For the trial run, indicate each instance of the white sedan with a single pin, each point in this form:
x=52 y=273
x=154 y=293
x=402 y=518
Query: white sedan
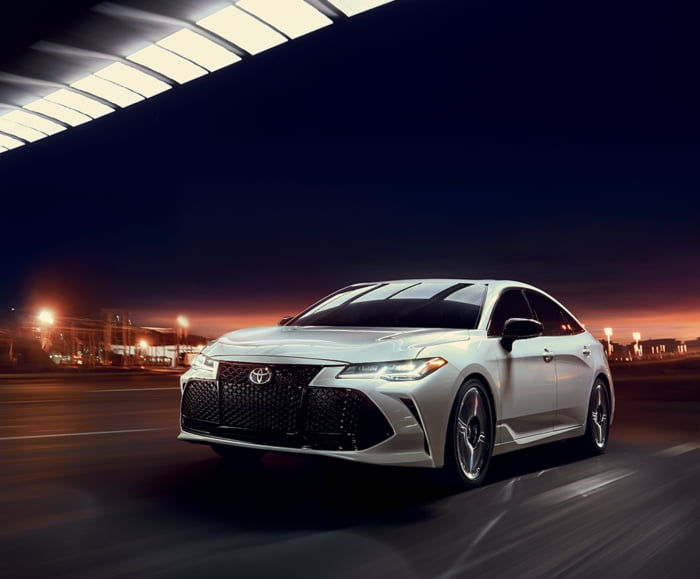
x=434 y=373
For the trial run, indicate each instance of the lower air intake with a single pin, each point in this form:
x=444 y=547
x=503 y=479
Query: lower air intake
x=284 y=412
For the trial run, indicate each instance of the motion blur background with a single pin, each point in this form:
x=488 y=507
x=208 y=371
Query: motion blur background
x=550 y=142
x=546 y=142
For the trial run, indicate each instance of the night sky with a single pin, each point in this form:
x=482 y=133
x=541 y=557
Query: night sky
x=554 y=143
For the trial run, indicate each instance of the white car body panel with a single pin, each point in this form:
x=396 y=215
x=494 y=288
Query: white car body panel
x=529 y=391
x=343 y=345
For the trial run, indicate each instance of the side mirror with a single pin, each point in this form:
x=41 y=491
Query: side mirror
x=519 y=329
x=285 y=320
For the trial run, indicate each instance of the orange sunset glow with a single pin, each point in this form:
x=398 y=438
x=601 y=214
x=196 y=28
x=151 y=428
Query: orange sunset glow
x=625 y=310
x=681 y=325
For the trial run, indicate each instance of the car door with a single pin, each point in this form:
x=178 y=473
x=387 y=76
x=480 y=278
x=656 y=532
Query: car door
x=572 y=348
x=527 y=372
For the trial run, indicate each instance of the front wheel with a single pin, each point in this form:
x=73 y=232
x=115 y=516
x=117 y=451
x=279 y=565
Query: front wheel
x=470 y=436
x=595 y=439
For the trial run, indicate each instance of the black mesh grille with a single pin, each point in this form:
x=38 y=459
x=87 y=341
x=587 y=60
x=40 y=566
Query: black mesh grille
x=273 y=406
x=333 y=411
x=200 y=401
x=285 y=411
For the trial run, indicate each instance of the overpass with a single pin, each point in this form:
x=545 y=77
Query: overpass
x=68 y=63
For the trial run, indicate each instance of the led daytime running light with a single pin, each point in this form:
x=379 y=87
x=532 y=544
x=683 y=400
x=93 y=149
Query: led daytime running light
x=402 y=370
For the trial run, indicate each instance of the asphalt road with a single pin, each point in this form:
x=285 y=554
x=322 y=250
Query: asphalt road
x=94 y=484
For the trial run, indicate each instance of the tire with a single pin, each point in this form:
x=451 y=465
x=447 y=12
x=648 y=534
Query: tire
x=237 y=454
x=595 y=439
x=470 y=437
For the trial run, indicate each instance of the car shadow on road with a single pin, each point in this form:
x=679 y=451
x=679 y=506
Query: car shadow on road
x=289 y=492
x=293 y=492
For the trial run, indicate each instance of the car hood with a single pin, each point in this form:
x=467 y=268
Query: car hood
x=336 y=344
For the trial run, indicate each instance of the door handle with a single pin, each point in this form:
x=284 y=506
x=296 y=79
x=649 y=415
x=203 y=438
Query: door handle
x=586 y=352
x=548 y=355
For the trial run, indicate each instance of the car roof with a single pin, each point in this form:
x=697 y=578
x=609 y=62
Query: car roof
x=495 y=283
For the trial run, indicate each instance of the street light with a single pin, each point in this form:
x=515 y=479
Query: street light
x=608 y=333
x=144 y=347
x=46 y=318
x=637 y=336
x=181 y=330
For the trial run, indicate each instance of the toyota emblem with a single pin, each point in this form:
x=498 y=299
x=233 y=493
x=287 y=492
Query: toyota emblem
x=260 y=376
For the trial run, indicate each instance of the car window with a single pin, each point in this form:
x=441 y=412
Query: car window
x=511 y=304
x=346 y=295
x=384 y=291
x=456 y=306
x=572 y=325
x=424 y=290
x=471 y=294
x=550 y=315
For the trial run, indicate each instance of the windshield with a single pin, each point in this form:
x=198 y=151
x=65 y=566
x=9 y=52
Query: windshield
x=430 y=304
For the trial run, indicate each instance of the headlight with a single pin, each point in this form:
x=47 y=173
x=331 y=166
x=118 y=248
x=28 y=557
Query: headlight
x=394 y=371
x=202 y=362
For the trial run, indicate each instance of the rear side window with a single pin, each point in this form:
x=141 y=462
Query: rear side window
x=572 y=325
x=554 y=319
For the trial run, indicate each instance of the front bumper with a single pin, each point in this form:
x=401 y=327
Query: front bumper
x=307 y=410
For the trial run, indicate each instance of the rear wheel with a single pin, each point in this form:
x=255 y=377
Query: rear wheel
x=595 y=439
x=469 y=442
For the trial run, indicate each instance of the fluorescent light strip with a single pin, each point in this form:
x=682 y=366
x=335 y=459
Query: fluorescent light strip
x=252 y=25
x=292 y=17
x=35 y=122
x=133 y=79
x=167 y=63
x=7 y=142
x=79 y=102
x=58 y=112
x=199 y=49
x=17 y=130
x=242 y=30
x=352 y=7
x=107 y=90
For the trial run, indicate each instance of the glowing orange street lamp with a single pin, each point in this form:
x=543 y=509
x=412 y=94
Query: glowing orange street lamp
x=181 y=330
x=144 y=353
x=46 y=318
x=636 y=336
x=608 y=333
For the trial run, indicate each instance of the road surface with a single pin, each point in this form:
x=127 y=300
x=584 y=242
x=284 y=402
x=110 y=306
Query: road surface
x=95 y=484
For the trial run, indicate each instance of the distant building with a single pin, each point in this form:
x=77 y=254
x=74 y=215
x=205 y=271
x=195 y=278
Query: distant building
x=17 y=352
x=653 y=348
x=662 y=347
x=693 y=346
x=106 y=340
